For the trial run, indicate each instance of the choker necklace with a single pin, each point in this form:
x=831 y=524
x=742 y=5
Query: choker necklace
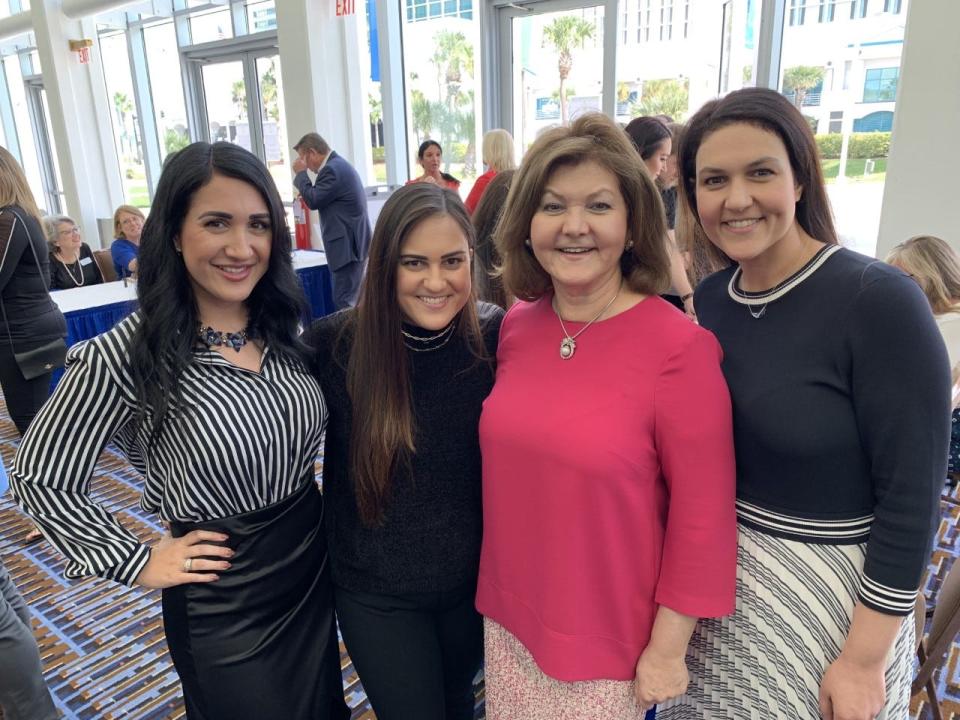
x=215 y=338
x=78 y=282
x=446 y=334
x=568 y=346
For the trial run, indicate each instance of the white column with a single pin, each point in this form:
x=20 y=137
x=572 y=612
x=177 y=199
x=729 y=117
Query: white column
x=920 y=196
x=79 y=116
x=325 y=75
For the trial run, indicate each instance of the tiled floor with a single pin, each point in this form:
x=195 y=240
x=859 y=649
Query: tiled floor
x=103 y=647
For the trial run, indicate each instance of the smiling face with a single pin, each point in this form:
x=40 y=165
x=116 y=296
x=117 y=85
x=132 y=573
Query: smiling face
x=68 y=238
x=132 y=226
x=430 y=162
x=657 y=162
x=433 y=280
x=225 y=241
x=579 y=230
x=747 y=195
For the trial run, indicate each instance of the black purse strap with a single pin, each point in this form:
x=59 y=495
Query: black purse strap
x=36 y=259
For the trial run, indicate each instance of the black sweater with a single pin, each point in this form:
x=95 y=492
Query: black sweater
x=430 y=539
x=841 y=414
x=32 y=316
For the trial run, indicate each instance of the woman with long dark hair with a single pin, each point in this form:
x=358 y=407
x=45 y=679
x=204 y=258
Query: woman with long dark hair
x=430 y=157
x=205 y=390
x=404 y=375
x=840 y=387
x=485 y=219
x=653 y=141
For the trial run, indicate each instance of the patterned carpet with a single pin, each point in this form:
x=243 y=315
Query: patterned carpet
x=102 y=644
x=103 y=647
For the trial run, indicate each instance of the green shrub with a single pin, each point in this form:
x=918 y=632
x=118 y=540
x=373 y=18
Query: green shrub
x=861 y=145
x=379 y=154
x=829 y=145
x=869 y=145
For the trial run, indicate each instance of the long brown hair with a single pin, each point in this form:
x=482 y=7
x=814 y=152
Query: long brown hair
x=382 y=437
x=592 y=137
x=14 y=189
x=486 y=272
x=768 y=110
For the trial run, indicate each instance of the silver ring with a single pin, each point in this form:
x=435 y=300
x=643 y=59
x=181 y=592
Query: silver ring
x=188 y=565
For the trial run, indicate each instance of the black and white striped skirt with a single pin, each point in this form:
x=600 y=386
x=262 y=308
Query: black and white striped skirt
x=794 y=605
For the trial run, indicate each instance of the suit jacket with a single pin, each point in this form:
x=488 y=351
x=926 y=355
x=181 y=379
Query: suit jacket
x=339 y=197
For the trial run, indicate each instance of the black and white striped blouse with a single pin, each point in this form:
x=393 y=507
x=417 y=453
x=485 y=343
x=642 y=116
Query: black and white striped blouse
x=246 y=441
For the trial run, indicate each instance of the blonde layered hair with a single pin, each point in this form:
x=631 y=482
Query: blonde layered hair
x=14 y=189
x=497 y=150
x=936 y=268
x=590 y=138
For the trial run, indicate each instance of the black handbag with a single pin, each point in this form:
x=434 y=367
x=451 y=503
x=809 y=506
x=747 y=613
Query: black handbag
x=38 y=361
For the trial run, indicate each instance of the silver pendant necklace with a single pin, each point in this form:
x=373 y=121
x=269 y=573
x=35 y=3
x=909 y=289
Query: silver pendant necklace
x=568 y=346
x=759 y=314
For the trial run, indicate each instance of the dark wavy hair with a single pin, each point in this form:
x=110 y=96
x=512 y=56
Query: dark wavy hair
x=767 y=110
x=166 y=338
x=647 y=133
x=426 y=145
x=486 y=270
x=378 y=373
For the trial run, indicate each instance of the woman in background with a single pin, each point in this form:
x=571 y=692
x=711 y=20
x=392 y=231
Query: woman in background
x=205 y=390
x=430 y=156
x=498 y=155
x=125 y=249
x=405 y=374
x=608 y=508
x=840 y=388
x=29 y=319
x=652 y=139
x=487 y=271
x=936 y=268
x=72 y=263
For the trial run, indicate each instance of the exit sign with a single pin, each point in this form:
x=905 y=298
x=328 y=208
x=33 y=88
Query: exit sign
x=346 y=7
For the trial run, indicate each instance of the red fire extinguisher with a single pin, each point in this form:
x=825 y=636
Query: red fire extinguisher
x=301 y=224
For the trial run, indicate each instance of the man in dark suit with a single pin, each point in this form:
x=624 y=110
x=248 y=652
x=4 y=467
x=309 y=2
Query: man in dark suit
x=338 y=195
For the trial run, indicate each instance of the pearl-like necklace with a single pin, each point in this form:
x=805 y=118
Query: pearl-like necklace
x=568 y=346
x=78 y=282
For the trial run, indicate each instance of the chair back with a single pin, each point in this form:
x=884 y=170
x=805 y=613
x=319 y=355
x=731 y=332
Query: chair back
x=943 y=628
x=105 y=263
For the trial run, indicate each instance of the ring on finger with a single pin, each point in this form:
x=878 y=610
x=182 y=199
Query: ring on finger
x=188 y=565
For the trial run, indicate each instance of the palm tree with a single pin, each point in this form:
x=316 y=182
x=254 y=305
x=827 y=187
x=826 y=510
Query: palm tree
x=800 y=80
x=564 y=34
x=453 y=59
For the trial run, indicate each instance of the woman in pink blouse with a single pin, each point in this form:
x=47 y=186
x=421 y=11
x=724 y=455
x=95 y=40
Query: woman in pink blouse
x=608 y=467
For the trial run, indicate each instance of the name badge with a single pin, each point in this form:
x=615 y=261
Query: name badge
x=85 y=261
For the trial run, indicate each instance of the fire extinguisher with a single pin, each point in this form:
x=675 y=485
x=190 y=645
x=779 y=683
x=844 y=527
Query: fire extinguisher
x=301 y=224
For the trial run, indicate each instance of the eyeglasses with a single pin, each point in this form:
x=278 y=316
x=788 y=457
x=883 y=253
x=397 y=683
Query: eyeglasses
x=131 y=221
x=72 y=231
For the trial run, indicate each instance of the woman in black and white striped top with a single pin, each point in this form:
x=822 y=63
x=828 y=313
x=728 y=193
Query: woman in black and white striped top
x=204 y=389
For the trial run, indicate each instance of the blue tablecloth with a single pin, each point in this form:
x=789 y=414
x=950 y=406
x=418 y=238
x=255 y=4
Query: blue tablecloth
x=85 y=324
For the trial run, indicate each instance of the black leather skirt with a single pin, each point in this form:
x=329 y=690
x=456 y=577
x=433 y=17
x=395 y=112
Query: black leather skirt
x=261 y=642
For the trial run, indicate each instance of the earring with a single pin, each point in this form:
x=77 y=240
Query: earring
x=527 y=242
x=628 y=247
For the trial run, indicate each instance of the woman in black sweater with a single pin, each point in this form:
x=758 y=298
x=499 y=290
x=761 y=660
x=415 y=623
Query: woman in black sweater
x=840 y=387
x=29 y=319
x=404 y=375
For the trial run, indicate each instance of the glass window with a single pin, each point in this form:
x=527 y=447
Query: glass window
x=798 y=11
x=880 y=84
x=210 y=26
x=261 y=16
x=166 y=86
x=828 y=10
x=30 y=159
x=442 y=86
x=843 y=75
x=123 y=116
x=275 y=145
